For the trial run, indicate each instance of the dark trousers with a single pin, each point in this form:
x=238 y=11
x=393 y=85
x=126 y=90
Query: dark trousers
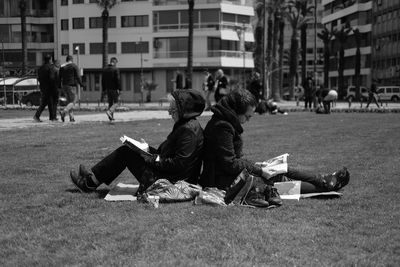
x=112 y=97
x=109 y=168
x=372 y=98
x=310 y=182
x=308 y=102
x=48 y=100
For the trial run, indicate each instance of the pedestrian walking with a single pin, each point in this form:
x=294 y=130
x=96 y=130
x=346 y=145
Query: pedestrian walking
x=208 y=87
x=372 y=96
x=221 y=84
x=70 y=78
x=111 y=85
x=47 y=77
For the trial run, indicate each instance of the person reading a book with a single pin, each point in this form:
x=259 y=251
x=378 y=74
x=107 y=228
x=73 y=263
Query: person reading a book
x=177 y=158
x=223 y=159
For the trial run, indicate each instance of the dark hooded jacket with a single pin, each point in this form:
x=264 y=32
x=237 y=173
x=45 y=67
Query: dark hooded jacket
x=180 y=155
x=222 y=156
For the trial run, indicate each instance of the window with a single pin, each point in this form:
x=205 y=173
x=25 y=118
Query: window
x=81 y=48
x=64 y=49
x=97 y=48
x=78 y=23
x=134 y=47
x=64 y=24
x=93 y=1
x=135 y=21
x=97 y=22
x=64 y=2
x=78 y=1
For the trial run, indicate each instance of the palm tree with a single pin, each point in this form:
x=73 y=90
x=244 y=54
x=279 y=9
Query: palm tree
x=106 y=5
x=296 y=21
x=341 y=37
x=259 y=36
x=281 y=53
x=24 y=49
x=305 y=10
x=325 y=35
x=357 y=76
x=189 y=70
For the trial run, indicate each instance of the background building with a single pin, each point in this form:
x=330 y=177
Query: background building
x=355 y=14
x=386 y=42
x=40 y=33
x=150 y=37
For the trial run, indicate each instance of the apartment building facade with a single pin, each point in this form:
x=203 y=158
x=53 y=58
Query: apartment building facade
x=40 y=28
x=149 y=38
x=386 y=42
x=358 y=15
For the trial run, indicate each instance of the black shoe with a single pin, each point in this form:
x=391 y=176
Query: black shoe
x=81 y=182
x=336 y=180
x=255 y=199
x=36 y=119
x=272 y=196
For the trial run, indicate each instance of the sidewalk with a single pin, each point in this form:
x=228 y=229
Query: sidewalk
x=136 y=112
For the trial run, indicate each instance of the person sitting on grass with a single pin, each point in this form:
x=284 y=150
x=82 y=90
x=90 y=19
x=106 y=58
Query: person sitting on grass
x=223 y=159
x=177 y=158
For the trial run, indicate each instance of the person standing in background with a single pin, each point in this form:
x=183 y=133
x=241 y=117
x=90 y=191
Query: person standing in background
x=208 y=86
x=178 y=80
x=221 y=84
x=111 y=84
x=70 y=77
x=48 y=78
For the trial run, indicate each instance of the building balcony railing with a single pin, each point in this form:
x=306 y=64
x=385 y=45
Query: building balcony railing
x=199 y=2
x=211 y=53
x=201 y=26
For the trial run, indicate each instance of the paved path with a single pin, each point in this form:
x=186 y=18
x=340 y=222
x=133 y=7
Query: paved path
x=19 y=123
x=156 y=112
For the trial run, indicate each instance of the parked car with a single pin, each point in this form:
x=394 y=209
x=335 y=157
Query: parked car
x=31 y=99
x=351 y=93
x=9 y=98
x=388 y=93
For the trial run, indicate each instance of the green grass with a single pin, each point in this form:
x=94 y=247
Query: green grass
x=46 y=222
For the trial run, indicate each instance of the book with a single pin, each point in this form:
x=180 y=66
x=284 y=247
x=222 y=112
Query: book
x=140 y=147
x=291 y=190
x=275 y=166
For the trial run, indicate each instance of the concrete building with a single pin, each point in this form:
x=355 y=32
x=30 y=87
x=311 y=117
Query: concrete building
x=150 y=38
x=356 y=14
x=40 y=34
x=386 y=42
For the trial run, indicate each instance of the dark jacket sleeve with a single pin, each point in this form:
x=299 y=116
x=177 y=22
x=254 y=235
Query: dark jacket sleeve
x=118 y=79
x=185 y=146
x=225 y=153
x=77 y=75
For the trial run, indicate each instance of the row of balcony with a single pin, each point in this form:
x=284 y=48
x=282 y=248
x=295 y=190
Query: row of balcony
x=203 y=26
x=200 y=2
x=205 y=54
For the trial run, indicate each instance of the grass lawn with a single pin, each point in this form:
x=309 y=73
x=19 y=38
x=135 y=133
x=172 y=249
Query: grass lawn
x=46 y=222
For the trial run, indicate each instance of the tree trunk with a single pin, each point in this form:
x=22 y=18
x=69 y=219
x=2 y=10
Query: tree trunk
x=280 y=54
x=275 y=73
x=24 y=49
x=294 y=46
x=105 y=16
x=326 y=64
x=303 y=40
x=357 y=73
x=341 y=70
x=268 y=54
x=189 y=71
